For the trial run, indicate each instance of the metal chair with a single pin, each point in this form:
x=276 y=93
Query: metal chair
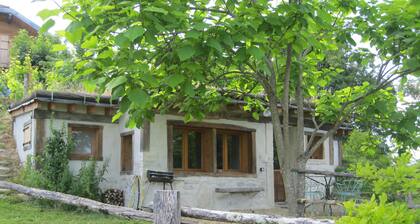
x=345 y=190
x=313 y=189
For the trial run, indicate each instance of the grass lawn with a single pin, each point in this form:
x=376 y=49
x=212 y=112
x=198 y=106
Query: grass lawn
x=14 y=210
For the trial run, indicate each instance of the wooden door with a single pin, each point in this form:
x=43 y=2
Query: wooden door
x=279 y=194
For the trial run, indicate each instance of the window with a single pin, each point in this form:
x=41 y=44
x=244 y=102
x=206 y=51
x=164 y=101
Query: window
x=87 y=141
x=187 y=148
x=127 y=153
x=210 y=149
x=319 y=152
x=27 y=128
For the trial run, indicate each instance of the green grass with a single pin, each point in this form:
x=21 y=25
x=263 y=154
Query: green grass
x=14 y=210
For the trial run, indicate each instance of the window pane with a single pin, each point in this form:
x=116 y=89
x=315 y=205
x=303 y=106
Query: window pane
x=83 y=141
x=177 y=148
x=219 y=145
x=194 y=150
x=233 y=152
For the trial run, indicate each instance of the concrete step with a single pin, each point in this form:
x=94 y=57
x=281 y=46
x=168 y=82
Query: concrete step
x=5 y=176
x=5 y=170
x=5 y=162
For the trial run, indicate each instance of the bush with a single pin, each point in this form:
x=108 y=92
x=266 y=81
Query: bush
x=372 y=212
x=51 y=170
x=86 y=183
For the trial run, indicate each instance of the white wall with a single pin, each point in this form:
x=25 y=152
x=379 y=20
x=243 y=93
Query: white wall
x=18 y=124
x=199 y=191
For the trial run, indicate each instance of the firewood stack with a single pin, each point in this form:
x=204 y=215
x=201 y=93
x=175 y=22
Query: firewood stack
x=114 y=197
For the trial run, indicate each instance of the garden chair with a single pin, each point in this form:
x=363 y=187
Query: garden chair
x=348 y=189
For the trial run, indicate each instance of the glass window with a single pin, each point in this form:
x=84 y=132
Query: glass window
x=219 y=153
x=83 y=140
x=177 y=148
x=194 y=150
x=233 y=152
x=87 y=140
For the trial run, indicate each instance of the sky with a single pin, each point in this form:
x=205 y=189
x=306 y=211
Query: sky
x=30 y=8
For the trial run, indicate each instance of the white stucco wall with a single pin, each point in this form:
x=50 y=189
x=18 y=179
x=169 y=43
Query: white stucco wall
x=196 y=191
x=18 y=124
x=199 y=191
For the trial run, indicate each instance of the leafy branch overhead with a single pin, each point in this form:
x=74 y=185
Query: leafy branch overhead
x=196 y=56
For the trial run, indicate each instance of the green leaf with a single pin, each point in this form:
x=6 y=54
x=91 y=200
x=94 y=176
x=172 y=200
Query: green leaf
x=138 y=96
x=257 y=53
x=46 y=26
x=193 y=34
x=175 y=80
x=155 y=9
x=106 y=54
x=58 y=47
x=74 y=32
x=117 y=116
x=134 y=32
x=215 y=44
x=90 y=43
x=46 y=13
x=122 y=41
x=89 y=85
x=116 y=82
x=185 y=53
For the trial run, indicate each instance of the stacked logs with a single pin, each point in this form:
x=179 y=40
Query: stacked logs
x=113 y=197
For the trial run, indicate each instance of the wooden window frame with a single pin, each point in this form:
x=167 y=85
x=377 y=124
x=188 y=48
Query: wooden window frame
x=185 y=158
x=307 y=137
x=125 y=135
x=212 y=129
x=225 y=156
x=27 y=145
x=96 y=152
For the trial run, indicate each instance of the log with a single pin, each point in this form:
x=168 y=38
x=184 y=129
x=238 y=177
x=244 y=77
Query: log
x=167 y=207
x=237 y=217
x=136 y=214
x=79 y=201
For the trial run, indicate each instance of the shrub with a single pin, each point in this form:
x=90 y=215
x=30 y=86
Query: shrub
x=372 y=212
x=86 y=183
x=53 y=172
x=54 y=162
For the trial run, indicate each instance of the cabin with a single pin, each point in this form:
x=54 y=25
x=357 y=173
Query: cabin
x=224 y=162
x=11 y=22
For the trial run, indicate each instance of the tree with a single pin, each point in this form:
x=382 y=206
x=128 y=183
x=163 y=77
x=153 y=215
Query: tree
x=195 y=56
x=33 y=63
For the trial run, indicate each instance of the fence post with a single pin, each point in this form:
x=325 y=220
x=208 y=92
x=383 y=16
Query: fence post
x=166 y=207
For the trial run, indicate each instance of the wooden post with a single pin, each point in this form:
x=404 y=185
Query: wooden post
x=166 y=207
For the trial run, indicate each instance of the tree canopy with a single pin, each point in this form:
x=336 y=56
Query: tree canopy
x=196 y=56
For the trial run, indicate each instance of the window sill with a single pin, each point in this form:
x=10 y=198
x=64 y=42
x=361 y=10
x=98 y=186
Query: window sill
x=231 y=174
x=126 y=172
x=239 y=190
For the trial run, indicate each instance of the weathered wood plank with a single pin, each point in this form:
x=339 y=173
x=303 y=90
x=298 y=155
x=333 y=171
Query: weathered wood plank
x=197 y=213
x=44 y=114
x=78 y=201
x=246 y=217
x=167 y=207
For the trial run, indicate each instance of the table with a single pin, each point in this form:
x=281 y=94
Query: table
x=327 y=176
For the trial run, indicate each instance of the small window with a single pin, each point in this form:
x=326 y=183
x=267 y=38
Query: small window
x=127 y=153
x=187 y=148
x=319 y=152
x=233 y=151
x=87 y=141
x=27 y=129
